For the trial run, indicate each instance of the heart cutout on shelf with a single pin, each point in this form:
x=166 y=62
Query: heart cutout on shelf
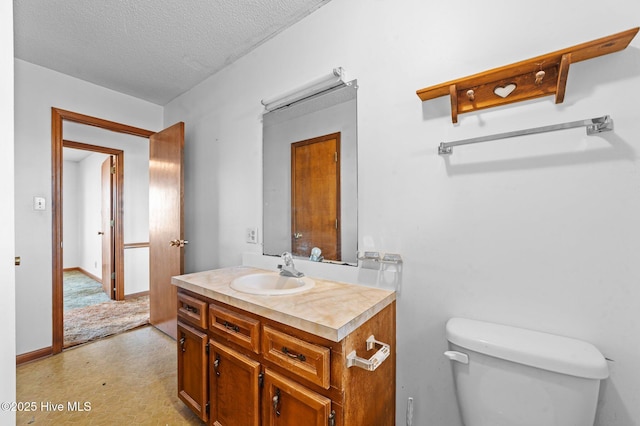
x=504 y=91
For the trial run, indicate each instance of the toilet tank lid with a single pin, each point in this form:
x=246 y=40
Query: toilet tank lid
x=537 y=349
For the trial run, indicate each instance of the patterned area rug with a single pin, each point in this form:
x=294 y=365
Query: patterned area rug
x=105 y=319
x=90 y=315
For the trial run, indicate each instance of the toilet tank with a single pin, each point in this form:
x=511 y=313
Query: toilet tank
x=508 y=376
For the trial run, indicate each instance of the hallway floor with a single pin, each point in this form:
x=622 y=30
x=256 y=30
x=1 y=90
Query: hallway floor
x=80 y=290
x=129 y=378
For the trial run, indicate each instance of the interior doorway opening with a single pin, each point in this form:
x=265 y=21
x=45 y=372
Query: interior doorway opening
x=116 y=285
x=93 y=306
x=92 y=198
x=162 y=295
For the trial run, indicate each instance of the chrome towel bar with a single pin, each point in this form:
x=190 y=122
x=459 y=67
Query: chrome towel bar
x=593 y=125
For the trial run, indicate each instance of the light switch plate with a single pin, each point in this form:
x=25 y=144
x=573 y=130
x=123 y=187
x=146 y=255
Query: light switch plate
x=39 y=203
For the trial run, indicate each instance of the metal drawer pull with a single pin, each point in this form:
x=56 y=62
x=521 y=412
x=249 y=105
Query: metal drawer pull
x=276 y=402
x=190 y=308
x=230 y=326
x=332 y=418
x=216 y=365
x=374 y=362
x=299 y=357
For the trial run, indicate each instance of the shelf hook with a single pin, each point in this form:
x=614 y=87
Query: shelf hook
x=540 y=76
x=471 y=95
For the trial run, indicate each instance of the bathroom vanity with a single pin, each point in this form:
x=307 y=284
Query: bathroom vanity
x=324 y=356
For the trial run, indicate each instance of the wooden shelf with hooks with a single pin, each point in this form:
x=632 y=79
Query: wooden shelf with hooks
x=533 y=78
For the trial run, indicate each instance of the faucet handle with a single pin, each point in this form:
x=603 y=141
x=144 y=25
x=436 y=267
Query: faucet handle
x=287 y=258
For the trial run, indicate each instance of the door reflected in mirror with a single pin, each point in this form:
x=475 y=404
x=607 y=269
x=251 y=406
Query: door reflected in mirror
x=310 y=177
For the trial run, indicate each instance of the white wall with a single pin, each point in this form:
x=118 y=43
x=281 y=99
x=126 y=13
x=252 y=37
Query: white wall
x=89 y=210
x=135 y=203
x=136 y=176
x=539 y=232
x=7 y=234
x=82 y=183
x=136 y=270
x=38 y=89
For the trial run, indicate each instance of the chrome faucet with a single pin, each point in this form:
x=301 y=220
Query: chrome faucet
x=288 y=269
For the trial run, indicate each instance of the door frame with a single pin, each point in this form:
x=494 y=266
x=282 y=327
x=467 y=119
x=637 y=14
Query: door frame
x=117 y=291
x=294 y=202
x=58 y=116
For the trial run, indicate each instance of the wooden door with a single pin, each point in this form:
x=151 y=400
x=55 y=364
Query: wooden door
x=287 y=403
x=234 y=387
x=315 y=196
x=193 y=369
x=107 y=218
x=166 y=228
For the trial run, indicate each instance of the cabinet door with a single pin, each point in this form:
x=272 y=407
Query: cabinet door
x=287 y=403
x=234 y=387
x=192 y=369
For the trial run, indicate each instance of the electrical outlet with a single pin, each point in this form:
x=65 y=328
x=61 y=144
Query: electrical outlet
x=252 y=235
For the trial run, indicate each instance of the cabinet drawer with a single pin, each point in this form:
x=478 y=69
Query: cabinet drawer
x=235 y=327
x=306 y=360
x=192 y=310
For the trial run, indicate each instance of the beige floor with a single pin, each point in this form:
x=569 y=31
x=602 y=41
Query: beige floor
x=127 y=379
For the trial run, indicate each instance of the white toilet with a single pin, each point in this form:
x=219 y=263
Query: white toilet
x=507 y=376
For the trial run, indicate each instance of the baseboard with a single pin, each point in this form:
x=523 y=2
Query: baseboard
x=34 y=355
x=90 y=275
x=82 y=271
x=134 y=295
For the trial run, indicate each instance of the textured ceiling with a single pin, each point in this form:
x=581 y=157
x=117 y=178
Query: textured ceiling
x=151 y=49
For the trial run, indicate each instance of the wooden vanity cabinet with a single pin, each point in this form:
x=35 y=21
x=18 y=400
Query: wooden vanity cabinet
x=193 y=369
x=265 y=373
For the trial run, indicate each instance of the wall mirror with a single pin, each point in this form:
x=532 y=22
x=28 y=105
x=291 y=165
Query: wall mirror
x=308 y=202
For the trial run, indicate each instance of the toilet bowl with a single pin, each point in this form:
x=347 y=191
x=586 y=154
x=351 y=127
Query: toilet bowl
x=508 y=376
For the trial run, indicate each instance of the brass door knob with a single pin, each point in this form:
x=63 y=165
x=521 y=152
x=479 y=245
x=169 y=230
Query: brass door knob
x=178 y=243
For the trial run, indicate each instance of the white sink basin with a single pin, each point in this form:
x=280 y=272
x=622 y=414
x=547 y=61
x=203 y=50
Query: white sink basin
x=271 y=284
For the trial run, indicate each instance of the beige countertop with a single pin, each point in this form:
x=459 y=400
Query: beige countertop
x=330 y=309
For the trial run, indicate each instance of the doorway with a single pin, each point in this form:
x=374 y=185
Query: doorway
x=110 y=197
x=167 y=292
x=91 y=190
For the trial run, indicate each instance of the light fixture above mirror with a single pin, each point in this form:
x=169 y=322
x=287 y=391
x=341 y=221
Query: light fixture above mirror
x=328 y=82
